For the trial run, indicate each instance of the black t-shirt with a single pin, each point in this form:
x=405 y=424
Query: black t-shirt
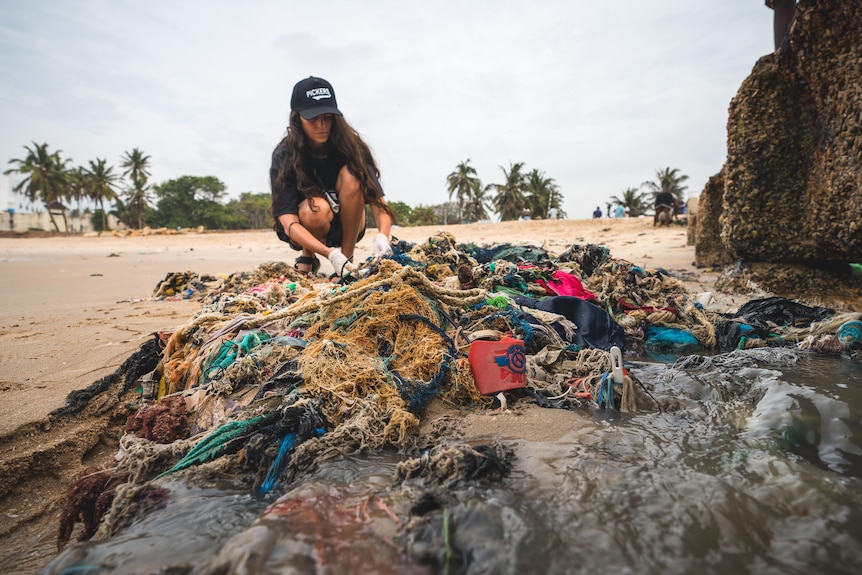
x=287 y=199
x=325 y=170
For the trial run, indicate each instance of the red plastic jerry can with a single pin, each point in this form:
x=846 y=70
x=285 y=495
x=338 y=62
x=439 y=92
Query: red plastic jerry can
x=498 y=365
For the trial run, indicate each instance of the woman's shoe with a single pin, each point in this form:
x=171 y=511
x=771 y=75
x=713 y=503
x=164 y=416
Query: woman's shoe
x=307 y=260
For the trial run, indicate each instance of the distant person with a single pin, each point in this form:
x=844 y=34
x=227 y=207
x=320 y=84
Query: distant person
x=322 y=177
x=525 y=213
x=597 y=213
x=619 y=211
x=552 y=213
x=784 y=12
x=665 y=203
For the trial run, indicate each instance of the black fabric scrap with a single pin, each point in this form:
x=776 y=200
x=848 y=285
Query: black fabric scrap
x=596 y=328
x=136 y=365
x=782 y=311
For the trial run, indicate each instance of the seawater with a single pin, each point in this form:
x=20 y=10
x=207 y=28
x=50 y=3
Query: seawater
x=757 y=469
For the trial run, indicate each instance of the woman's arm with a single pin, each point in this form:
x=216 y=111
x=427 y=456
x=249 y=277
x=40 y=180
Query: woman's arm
x=383 y=219
x=299 y=235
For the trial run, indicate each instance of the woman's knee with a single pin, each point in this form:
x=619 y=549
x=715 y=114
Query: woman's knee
x=347 y=186
x=316 y=216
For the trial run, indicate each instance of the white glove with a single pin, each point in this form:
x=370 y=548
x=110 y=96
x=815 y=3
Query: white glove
x=381 y=245
x=340 y=262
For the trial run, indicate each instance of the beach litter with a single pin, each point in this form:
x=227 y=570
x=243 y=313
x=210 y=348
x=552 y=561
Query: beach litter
x=277 y=372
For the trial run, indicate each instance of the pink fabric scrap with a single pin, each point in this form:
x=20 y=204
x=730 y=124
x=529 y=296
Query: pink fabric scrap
x=567 y=284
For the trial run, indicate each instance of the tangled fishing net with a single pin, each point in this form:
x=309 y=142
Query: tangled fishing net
x=276 y=373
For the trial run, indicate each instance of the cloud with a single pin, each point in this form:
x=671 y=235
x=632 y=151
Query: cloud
x=596 y=95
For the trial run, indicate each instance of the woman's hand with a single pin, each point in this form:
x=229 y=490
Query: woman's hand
x=340 y=262
x=381 y=245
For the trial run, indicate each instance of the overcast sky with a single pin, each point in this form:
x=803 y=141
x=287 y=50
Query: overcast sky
x=597 y=95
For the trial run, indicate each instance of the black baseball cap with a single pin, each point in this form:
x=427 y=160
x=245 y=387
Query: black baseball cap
x=313 y=97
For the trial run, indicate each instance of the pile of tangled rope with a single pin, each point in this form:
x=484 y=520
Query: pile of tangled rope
x=278 y=372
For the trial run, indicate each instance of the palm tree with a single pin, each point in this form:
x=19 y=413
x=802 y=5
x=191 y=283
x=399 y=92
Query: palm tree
x=555 y=200
x=510 y=201
x=478 y=203
x=100 y=185
x=541 y=192
x=77 y=188
x=46 y=178
x=668 y=180
x=135 y=164
x=461 y=182
x=634 y=200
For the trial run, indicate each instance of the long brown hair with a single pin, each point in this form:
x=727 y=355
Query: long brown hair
x=345 y=140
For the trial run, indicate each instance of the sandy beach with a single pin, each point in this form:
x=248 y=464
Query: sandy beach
x=74 y=308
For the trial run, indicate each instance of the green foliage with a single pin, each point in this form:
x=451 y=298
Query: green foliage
x=48 y=179
x=511 y=200
x=478 y=204
x=668 y=180
x=542 y=193
x=403 y=213
x=532 y=191
x=189 y=202
x=45 y=176
x=130 y=216
x=462 y=183
x=634 y=200
x=135 y=166
x=98 y=218
x=251 y=211
x=423 y=216
x=99 y=182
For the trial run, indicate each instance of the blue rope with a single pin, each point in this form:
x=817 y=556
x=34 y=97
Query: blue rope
x=280 y=463
x=277 y=467
x=605 y=395
x=850 y=333
x=515 y=320
x=525 y=326
x=419 y=394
